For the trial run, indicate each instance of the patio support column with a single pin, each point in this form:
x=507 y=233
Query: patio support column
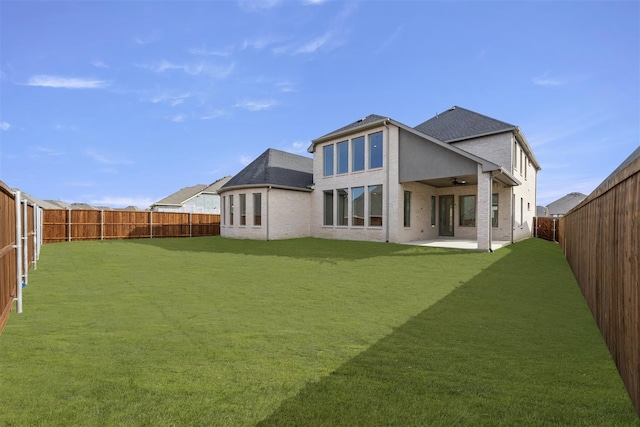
x=483 y=214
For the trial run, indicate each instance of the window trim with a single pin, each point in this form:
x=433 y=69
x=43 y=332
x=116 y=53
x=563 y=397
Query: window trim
x=328 y=156
x=257 y=209
x=462 y=205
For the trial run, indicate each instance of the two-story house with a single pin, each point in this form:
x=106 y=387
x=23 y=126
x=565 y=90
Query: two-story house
x=457 y=175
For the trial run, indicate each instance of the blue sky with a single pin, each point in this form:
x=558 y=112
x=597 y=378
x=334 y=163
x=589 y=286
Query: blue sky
x=122 y=103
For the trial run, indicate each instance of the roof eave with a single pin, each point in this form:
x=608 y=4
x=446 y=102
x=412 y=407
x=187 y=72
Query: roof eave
x=349 y=131
x=281 y=187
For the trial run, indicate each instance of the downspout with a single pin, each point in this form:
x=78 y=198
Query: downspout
x=386 y=125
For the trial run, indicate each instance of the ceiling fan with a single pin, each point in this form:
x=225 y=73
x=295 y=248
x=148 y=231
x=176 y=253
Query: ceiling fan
x=457 y=181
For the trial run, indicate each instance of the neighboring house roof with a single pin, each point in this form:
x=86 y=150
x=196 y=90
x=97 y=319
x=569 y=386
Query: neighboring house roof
x=541 y=211
x=183 y=195
x=180 y=196
x=213 y=188
x=459 y=123
x=565 y=204
x=58 y=204
x=275 y=168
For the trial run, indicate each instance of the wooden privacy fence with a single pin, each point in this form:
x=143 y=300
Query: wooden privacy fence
x=601 y=240
x=60 y=225
x=545 y=228
x=20 y=232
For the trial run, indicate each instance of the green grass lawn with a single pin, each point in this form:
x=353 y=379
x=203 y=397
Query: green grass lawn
x=211 y=331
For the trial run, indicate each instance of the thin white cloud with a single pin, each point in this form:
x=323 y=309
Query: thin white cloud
x=262 y=42
x=147 y=39
x=286 y=87
x=177 y=118
x=245 y=160
x=313 y=2
x=99 y=64
x=193 y=69
x=256 y=105
x=172 y=100
x=327 y=41
x=258 y=5
x=213 y=114
x=545 y=80
x=390 y=39
x=299 y=147
x=5 y=126
x=66 y=82
x=40 y=150
x=107 y=159
x=203 y=51
x=65 y=128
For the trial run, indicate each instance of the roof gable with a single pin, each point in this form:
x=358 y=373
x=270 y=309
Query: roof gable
x=459 y=123
x=275 y=167
x=371 y=118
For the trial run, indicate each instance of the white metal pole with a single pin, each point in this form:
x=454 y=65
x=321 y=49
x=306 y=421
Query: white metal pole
x=25 y=239
x=36 y=233
x=18 y=253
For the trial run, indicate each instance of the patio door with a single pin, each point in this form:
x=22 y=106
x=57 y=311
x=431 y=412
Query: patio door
x=446 y=215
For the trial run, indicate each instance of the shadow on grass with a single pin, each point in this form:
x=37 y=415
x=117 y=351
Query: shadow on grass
x=303 y=248
x=515 y=345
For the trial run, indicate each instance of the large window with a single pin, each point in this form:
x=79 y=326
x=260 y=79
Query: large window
x=375 y=205
x=343 y=157
x=375 y=150
x=243 y=209
x=467 y=211
x=494 y=210
x=357 y=154
x=223 y=200
x=357 y=206
x=407 y=208
x=343 y=206
x=231 y=210
x=328 y=160
x=257 y=209
x=328 y=208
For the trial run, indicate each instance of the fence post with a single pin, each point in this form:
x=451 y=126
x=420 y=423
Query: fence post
x=69 y=224
x=25 y=239
x=101 y=224
x=190 y=224
x=18 y=298
x=151 y=224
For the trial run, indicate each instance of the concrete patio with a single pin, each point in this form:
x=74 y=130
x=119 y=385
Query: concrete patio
x=457 y=244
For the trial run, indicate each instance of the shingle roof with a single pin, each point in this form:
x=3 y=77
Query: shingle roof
x=371 y=118
x=181 y=195
x=459 y=123
x=213 y=188
x=278 y=168
x=565 y=204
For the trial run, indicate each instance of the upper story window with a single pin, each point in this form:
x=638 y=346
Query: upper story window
x=375 y=150
x=357 y=154
x=343 y=157
x=327 y=152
